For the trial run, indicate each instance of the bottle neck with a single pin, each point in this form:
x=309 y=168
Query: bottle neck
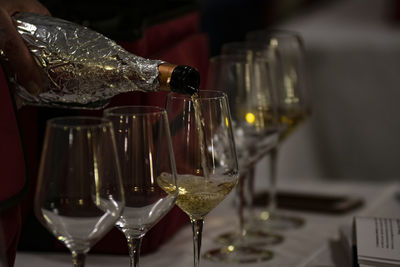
x=164 y=77
x=178 y=78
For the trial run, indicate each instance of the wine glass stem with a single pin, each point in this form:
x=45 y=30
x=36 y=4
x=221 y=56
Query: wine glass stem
x=250 y=188
x=134 y=244
x=272 y=186
x=197 y=226
x=78 y=258
x=240 y=192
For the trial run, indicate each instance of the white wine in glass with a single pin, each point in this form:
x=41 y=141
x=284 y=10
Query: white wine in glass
x=79 y=194
x=205 y=155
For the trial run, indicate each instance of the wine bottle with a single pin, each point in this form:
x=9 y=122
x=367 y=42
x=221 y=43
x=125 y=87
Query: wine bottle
x=85 y=69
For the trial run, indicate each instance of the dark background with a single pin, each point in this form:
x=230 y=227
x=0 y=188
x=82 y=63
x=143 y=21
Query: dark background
x=222 y=20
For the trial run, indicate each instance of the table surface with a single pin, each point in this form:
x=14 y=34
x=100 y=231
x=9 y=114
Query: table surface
x=315 y=244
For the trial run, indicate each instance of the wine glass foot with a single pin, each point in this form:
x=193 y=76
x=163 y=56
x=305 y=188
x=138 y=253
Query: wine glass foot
x=255 y=238
x=276 y=222
x=238 y=254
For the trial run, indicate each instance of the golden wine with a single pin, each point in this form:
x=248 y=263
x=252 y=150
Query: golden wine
x=290 y=121
x=260 y=119
x=197 y=196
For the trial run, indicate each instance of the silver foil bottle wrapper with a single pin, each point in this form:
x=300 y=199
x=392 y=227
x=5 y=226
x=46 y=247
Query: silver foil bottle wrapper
x=82 y=68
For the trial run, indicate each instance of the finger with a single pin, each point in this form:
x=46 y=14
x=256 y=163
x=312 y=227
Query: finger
x=20 y=61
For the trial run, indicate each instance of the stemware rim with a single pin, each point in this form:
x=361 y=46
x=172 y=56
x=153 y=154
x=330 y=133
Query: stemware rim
x=250 y=44
x=144 y=110
x=219 y=95
x=274 y=32
x=237 y=57
x=57 y=122
x=275 y=35
x=241 y=57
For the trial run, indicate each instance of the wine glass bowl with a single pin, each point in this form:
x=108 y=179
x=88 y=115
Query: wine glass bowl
x=293 y=104
x=205 y=154
x=248 y=81
x=79 y=194
x=145 y=152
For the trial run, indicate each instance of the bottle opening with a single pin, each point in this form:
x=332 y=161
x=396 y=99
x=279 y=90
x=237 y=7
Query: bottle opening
x=185 y=80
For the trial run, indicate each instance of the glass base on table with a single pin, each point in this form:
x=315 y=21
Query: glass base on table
x=254 y=238
x=238 y=254
x=276 y=221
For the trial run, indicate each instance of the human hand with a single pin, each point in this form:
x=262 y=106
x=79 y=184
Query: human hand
x=19 y=63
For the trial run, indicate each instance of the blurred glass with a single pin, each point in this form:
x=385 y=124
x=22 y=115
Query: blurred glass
x=293 y=109
x=293 y=103
x=247 y=80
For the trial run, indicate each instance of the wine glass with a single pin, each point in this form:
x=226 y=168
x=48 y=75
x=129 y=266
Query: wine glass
x=205 y=155
x=79 y=194
x=246 y=79
x=145 y=152
x=247 y=72
x=293 y=108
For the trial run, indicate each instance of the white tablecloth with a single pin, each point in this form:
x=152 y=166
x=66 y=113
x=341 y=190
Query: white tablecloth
x=305 y=247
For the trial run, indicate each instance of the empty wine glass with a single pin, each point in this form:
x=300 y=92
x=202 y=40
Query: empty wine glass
x=145 y=153
x=79 y=194
x=205 y=155
x=293 y=108
x=246 y=79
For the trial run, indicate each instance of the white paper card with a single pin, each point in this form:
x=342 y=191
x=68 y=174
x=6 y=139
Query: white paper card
x=378 y=240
